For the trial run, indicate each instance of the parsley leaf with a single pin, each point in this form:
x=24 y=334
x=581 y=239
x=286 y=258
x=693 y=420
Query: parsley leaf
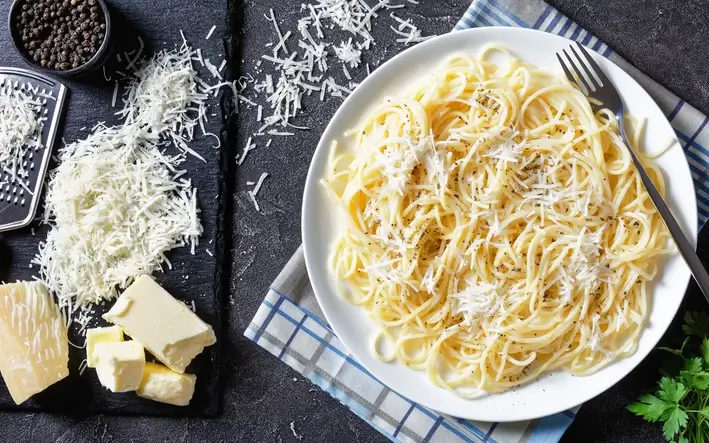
x=649 y=407
x=693 y=365
x=675 y=419
x=704 y=350
x=697 y=380
x=681 y=400
x=696 y=323
x=671 y=391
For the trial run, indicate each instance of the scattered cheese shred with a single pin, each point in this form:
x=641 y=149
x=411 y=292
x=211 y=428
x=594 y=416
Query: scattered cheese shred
x=293 y=75
x=408 y=32
x=249 y=147
x=212 y=69
x=211 y=31
x=348 y=53
x=257 y=187
x=115 y=95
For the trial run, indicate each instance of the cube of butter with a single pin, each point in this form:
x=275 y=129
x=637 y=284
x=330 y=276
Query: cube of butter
x=166 y=386
x=120 y=365
x=165 y=326
x=100 y=335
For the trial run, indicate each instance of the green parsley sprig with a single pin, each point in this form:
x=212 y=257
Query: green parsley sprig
x=681 y=400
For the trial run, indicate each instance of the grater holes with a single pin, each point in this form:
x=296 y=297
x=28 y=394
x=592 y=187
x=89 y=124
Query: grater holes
x=14 y=189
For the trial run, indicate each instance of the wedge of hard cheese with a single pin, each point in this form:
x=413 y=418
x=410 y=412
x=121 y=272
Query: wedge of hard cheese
x=34 y=348
x=165 y=326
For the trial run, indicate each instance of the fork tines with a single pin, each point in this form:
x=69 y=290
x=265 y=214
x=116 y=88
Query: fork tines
x=594 y=78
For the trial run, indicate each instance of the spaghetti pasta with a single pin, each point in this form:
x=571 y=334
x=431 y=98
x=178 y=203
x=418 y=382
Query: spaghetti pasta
x=496 y=227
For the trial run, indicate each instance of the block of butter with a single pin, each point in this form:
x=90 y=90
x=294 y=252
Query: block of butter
x=119 y=365
x=34 y=347
x=166 y=386
x=165 y=326
x=100 y=335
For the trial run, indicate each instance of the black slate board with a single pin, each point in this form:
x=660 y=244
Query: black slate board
x=197 y=277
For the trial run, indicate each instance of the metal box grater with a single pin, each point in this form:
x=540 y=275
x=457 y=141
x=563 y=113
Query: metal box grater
x=17 y=205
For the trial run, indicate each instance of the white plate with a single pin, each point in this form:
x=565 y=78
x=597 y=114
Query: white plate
x=551 y=393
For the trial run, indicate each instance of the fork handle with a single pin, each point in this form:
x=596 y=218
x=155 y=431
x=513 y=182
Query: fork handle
x=684 y=246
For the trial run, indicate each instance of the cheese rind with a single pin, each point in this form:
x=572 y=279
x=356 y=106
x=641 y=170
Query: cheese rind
x=165 y=326
x=166 y=386
x=100 y=335
x=120 y=365
x=34 y=348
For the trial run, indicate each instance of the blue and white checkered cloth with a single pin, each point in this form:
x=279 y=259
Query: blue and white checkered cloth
x=290 y=325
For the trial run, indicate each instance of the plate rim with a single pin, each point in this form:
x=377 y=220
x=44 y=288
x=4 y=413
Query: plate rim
x=311 y=184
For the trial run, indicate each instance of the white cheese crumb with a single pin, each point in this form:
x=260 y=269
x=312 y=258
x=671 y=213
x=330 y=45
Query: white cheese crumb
x=249 y=147
x=408 y=32
x=252 y=193
x=211 y=31
x=115 y=95
x=295 y=434
x=348 y=53
x=212 y=69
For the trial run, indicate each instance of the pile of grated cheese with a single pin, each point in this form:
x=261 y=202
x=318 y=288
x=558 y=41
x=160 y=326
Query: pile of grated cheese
x=167 y=99
x=21 y=125
x=119 y=199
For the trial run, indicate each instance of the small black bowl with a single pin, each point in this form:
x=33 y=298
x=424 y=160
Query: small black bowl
x=98 y=60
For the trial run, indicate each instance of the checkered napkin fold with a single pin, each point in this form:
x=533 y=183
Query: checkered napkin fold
x=291 y=326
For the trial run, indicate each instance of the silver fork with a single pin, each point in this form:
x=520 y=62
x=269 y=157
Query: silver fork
x=596 y=85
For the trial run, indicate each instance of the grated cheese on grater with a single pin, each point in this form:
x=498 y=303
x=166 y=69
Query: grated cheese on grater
x=20 y=128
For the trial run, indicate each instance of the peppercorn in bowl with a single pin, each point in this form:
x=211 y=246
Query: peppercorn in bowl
x=63 y=37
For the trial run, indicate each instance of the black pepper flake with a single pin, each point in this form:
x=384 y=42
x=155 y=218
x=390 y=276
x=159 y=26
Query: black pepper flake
x=59 y=34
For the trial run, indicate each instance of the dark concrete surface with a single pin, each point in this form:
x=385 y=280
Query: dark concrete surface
x=667 y=40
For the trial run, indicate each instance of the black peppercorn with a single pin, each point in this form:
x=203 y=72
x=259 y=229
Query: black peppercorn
x=59 y=34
